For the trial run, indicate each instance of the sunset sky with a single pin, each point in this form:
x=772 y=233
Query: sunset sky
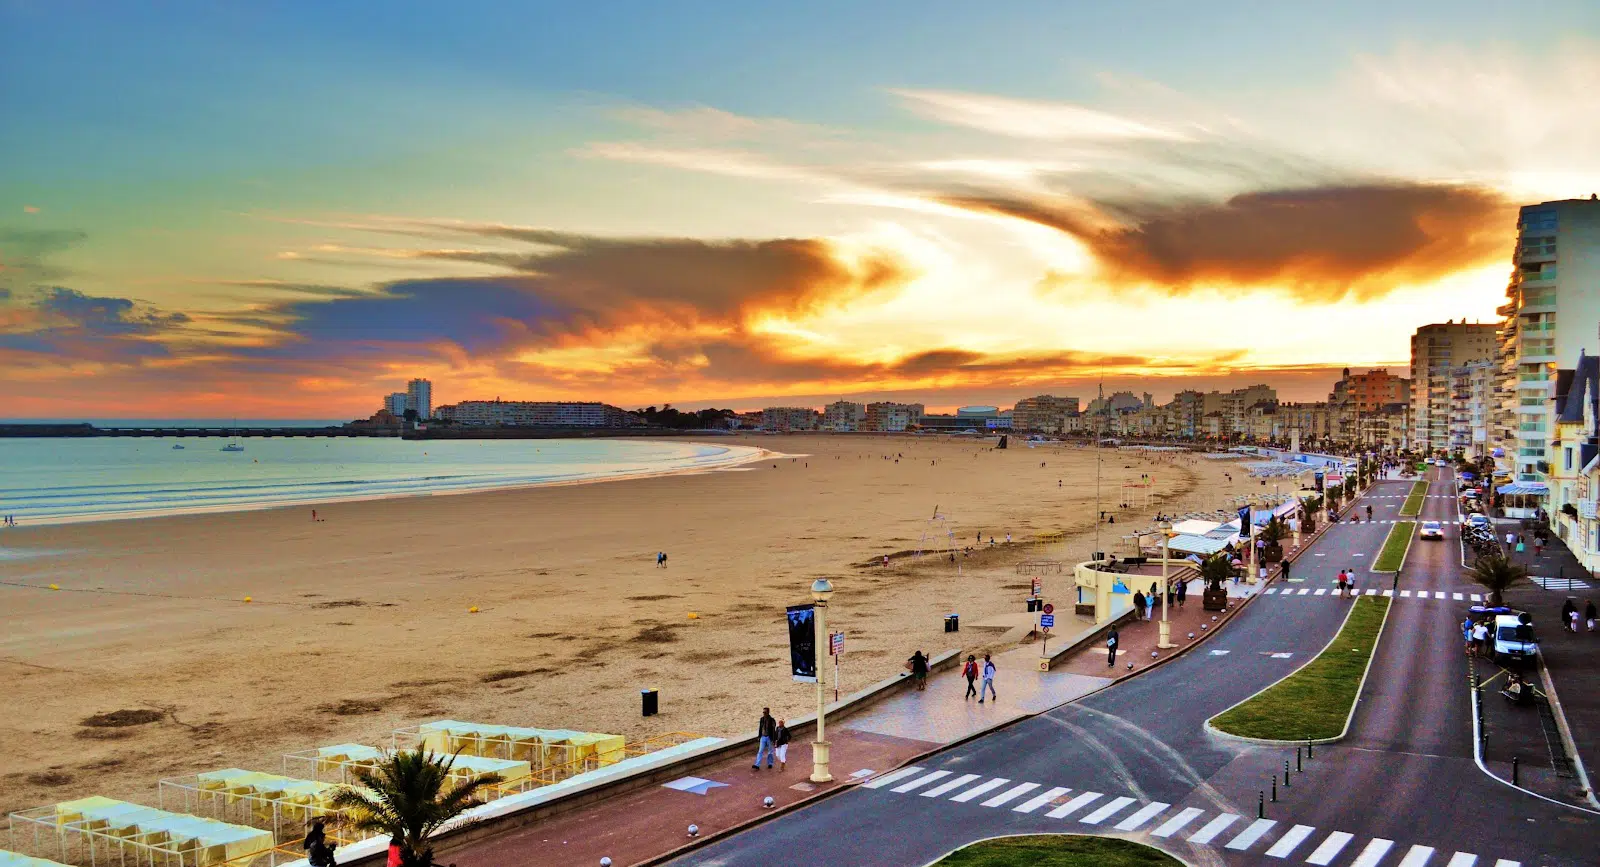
x=283 y=210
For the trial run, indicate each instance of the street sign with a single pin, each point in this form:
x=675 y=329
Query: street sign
x=835 y=643
x=1038 y=587
x=1047 y=620
x=1049 y=609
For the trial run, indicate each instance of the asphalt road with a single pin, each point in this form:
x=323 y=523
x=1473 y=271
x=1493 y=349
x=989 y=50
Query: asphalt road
x=1404 y=778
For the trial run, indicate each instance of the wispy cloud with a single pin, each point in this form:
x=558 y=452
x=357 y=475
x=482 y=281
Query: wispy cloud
x=1031 y=119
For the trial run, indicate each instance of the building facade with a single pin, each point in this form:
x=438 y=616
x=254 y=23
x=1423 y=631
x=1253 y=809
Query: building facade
x=395 y=404
x=419 y=396
x=844 y=416
x=533 y=413
x=1045 y=413
x=1473 y=400
x=904 y=414
x=789 y=418
x=1436 y=350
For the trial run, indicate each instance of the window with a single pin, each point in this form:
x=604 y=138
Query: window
x=1568 y=450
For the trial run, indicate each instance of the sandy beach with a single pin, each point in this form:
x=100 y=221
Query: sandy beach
x=360 y=624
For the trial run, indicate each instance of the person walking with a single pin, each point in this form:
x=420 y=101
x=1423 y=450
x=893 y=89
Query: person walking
x=661 y=560
x=1138 y=604
x=1343 y=582
x=1480 y=638
x=1183 y=593
x=988 y=680
x=1589 y=614
x=1111 y=649
x=1569 y=615
x=1150 y=603
x=919 y=670
x=1284 y=568
x=1574 y=618
x=970 y=672
x=780 y=741
x=766 y=728
x=1369 y=514
x=1466 y=634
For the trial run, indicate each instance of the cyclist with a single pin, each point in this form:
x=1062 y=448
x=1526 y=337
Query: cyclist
x=1369 y=514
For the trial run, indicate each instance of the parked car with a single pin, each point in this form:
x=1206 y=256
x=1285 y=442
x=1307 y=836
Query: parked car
x=1478 y=519
x=1513 y=638
x=1432 y=530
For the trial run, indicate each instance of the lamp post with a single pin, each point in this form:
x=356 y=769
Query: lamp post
x=821 y=589
x=1164 y=634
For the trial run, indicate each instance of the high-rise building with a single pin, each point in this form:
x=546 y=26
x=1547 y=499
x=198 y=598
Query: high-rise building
x=1046 y=413
x=535 y=413
x=1436 y=350
x=419 y=396
x=396 y=404
x=843 y=416
x=878 y=415
x=1472 y=402
x=1358 y=401
x=1551 y=312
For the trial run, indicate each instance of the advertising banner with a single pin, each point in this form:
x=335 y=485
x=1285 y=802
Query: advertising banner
x=803 y=642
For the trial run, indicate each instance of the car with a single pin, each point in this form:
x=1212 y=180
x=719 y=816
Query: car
x=1513 y=638
x=1432 y=530
x=1478 y=519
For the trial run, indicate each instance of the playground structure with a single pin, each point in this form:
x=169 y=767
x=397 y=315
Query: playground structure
x=1137 y=494
x=939 y=529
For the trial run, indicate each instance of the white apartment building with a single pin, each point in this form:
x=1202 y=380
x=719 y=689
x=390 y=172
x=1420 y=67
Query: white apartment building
x=1552 y=311
x=789 y=418
x=844 y=416
x=1436 y=350
x=396 y=404
x=534 y=413
x=1473 y=401
x=1045 y=413
x=419 y=396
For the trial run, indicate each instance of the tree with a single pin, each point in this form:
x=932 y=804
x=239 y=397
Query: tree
x=1497 y=573
x=1216 y=569
x=409 y=795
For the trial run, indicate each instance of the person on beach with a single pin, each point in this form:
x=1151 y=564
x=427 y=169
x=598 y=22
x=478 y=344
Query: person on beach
x=661 y=560
x=970 y=672
x=766 y=729
x=1111 y=649
x=780 y=740
x=1138 y=604
x=988 y=680
x=919 y=670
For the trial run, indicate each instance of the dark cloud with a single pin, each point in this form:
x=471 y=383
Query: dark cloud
x=23 y=253
x=1320 y=242
x=70 y=324
x=103 y=315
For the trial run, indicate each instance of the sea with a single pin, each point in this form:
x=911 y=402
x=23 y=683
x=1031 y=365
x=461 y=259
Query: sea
x=59 y=480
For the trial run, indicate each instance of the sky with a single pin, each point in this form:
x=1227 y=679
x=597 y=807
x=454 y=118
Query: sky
x=288 y=209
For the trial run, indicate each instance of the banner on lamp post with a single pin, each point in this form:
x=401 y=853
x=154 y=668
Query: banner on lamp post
x=803 y=642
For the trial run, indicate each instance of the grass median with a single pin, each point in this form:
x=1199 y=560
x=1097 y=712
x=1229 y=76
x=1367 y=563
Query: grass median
x=1058 y=850
x=1413 y=504
x=1393 y=555
x=1315 y=701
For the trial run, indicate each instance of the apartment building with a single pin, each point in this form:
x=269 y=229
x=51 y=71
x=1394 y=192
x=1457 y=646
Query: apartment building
x=1551 y=312
x=535 y=413
x=885 y=415
x=844 y=416
x=1312 y=420
x=1046 y=413
x=1436 y=350
x=1357 y=404
x=789 y=418
x=419 y=397
x=1473 y=401
x=1575 y=463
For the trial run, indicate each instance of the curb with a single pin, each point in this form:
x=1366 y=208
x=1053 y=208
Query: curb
x=1477 y=758
x=1403 y=555
x=1052 y=834
x=1426 y=486
x=1566 y=732
x=1354 y=704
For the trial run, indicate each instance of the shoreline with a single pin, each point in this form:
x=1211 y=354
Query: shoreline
x=725 y=461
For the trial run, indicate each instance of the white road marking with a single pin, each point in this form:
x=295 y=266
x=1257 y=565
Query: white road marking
x=1320 y=591
x=1405 y=594
x=1462 y=859
x=950 y=785
x=1371 y=591
x=1144 y=814
x=1074 y=805
x=1106 y=811
x=1388 y=593
x=1377 y=847
x=1010 y=794
x=1330 y=848
x=1250 y=835
x=1038 y=801
x=1505 y=863
x=886 y=779
x=1303 y=591
x=1287 y=842
x=1456 y=596
x=1213 y=828
x=1213 y=653
x=1476 y=597
x=1176 y=823
x=1282 y=655
x=1417 y=857
x=975 y=791
x=920 y=781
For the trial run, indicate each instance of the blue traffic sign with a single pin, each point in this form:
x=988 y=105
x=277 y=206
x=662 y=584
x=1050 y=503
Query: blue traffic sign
x=1047 y=620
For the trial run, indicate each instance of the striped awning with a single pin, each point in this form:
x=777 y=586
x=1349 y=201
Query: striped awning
x=1196 y=544
x=1516 y=488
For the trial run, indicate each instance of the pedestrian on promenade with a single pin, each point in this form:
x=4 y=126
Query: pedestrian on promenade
x=1284 y=568
x=1343 y=582
x=1150 y=603
x=1183 y=593
x=1538 y=546
x=1511 y=538
x=1521 y=545
x=1111 y=649
x=1138 y=604
x=766 y=728
x=1589 y=614
x=1480 y=638
x=988 y=680
x=919 y=669
x=1466 y=634
x=1569 y=615
x=780 y=740
x=970 y=672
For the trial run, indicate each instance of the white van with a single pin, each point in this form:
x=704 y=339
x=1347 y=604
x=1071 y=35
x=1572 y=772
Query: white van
x=1513 y=639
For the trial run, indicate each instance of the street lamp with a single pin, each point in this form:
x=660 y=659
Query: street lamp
x=1164 y=636
x=821 y=589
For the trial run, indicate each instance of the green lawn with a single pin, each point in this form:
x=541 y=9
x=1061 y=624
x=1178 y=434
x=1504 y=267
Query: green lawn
x=1413 y=504
x=1059 y=850
x=1315 y=701
x=1395 y=547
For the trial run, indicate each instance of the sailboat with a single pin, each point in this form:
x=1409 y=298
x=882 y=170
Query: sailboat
x=234 y=446
x=177 y=445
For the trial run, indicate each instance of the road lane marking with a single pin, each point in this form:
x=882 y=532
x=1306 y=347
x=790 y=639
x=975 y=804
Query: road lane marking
x=1477 y=597
x=1213 y=828
x=975 y=791
x=1330 y=848
x=920 y=781
x=1462 y=859
x=1270 y=590
x=1287 y=842
x=1038 y=801
x=1074 y=805
x=1010 y=794
x=1504 y=863
x=1377 y=847
x=1176 y=823
x=1406 y=594
x=886 y=779
x=1388 y=592
x=1303 y=591
x=1250 y=835
x=1458 y=597
x=1321 y=590
x=1144 y=814
x=950 y=785
x=1417 y=857
x=1106 y=811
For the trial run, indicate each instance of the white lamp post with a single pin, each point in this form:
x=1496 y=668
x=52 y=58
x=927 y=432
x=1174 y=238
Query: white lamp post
x=821 y=589
x=1164 y=635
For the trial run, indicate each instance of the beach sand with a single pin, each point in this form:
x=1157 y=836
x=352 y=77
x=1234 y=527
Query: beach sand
x=359 y=624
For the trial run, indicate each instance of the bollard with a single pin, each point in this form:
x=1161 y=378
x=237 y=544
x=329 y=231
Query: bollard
x=1297 y=768
x=1515 y=761
x=1274 y=788
x=1308 y=748
x=1286 y=773
x=1261 y=804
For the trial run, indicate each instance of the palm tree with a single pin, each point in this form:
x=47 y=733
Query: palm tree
x=1497 y=573
x=408 y=795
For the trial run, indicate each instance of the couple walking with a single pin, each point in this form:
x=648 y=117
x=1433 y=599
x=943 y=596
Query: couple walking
x=972 y=670
x=774 y=741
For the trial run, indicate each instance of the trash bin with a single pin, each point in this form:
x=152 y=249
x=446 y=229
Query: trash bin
x=1035 y=604
x=650 y=699
x=952 y=623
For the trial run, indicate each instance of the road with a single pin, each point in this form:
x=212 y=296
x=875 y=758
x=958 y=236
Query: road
x=1136 y=759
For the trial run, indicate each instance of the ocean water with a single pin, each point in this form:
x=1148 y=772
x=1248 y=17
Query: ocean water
x=57 y=480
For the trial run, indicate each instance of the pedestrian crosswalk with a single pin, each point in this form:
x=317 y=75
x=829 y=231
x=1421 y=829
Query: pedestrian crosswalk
x=1445 y=595
x=1550 y=583
x=1231 y=832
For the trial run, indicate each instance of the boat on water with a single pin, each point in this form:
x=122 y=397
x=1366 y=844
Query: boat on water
x=233 y=447
x=177 y=445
